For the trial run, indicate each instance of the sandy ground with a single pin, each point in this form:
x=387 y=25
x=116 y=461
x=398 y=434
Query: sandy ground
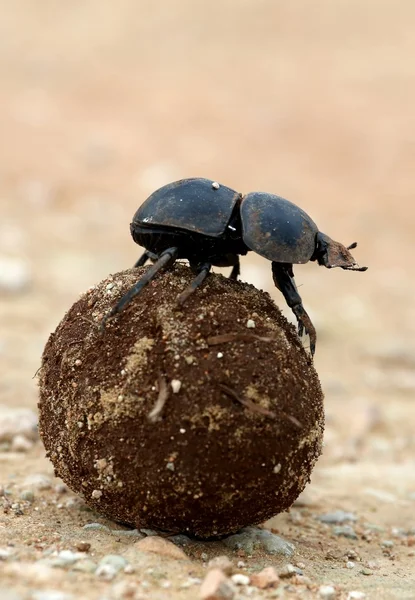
x=99 y=105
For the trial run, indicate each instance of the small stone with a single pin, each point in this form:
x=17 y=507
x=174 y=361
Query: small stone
x=96 y=527
x=366 y=571
x=85 y=566
x=250 y=538
x=110 y=565
x=339 y=516
x=161 y=546
x=350 y=564
x=221 y=562
x=289 y=571
x=96 y=494
x=27 y=495
x=4 y=553
x=327 y=592
x=215 y=185
x=266 y=578
x=216 y=586
x=127 y=533
x=176 y=384
x=15 y=275
x=345 y=531
x=51 y=595
x=356 y=595
x=170 y=466
x=220 y=355
x=20 y=443
x=240 y=579
x=38 y=481
x=250 y=324
x=83 y=546
x=277 y=468
x=387 y=544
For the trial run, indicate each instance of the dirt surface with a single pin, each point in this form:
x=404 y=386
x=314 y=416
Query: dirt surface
x=100 y=105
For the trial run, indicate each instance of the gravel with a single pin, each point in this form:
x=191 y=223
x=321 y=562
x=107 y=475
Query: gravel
x=338 y=516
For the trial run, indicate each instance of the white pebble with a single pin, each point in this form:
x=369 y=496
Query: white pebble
x=220 y=355
x=350 y=564
x=14 y=274
x=327 y=592
x=356 y=595
x=96 y=494
x=240 y=579
x=250 y=324
x=182 y=430
x=277 y=468
x=215 y=185
x=20 y=443
x=176 y=384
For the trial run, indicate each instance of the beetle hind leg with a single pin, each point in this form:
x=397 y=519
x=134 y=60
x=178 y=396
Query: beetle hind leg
x=283 y=276
x=203 y=271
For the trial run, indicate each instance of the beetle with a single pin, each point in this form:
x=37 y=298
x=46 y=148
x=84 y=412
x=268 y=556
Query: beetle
x=210 y=224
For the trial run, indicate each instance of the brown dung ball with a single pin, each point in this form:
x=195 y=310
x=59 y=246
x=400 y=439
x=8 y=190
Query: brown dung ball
x=201 y=420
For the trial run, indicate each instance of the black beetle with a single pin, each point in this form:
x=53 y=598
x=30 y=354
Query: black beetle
x=211 y=224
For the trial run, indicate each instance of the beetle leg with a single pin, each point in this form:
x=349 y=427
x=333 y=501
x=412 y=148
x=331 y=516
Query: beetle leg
x=204 y=270
x=166 y=258
x=283 y=276
x=144 y=258
x=236 y=269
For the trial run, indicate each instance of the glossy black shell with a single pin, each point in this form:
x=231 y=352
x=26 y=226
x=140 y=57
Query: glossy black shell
x=189 y=204
x=277 y=229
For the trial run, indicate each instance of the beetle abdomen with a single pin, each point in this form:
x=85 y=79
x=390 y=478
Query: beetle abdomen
x=196 y=204
x=277 y=229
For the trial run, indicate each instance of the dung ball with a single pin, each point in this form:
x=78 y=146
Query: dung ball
x=202 y=419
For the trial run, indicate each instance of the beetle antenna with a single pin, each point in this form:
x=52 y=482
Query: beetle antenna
x=354 y=245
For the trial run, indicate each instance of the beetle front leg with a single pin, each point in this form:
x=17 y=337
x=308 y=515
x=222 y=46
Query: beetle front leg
x=283 y=276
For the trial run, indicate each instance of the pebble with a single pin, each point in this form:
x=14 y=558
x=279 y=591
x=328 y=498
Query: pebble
x=240 y=579
x=110 y=565
x=356 y=595
x=350 y=564
x=20 y=443
x=345 y=531
x=50 y=595
x=176 y=384
x=64 y=558
x=338 y=516
x=15 y=275
x=250 y=324
x=327 y=592
x=134 y=533
x=17 y=422
x=289 y=571
x=216 y=586
x=250 y=538
x=27 y=496
x=366 y=571
x=83 y=546
x=266 y=578
x=160 y=546
x=38 y=481
x=96 y=527
x=4 y=553
x=221 y=562
x=387 y=544
x=85 y=566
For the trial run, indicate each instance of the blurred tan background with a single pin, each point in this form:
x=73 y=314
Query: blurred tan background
x=103 y=102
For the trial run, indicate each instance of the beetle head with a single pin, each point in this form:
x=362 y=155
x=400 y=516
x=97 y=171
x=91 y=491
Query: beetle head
x=332 y=254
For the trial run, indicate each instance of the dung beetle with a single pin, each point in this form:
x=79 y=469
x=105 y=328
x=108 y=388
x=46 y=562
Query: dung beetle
x=210 y=224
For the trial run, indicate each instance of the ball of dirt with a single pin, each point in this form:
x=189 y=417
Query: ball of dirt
x=200 y=420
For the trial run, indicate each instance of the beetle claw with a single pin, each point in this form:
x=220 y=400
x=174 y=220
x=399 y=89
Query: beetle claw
x=305 y=325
